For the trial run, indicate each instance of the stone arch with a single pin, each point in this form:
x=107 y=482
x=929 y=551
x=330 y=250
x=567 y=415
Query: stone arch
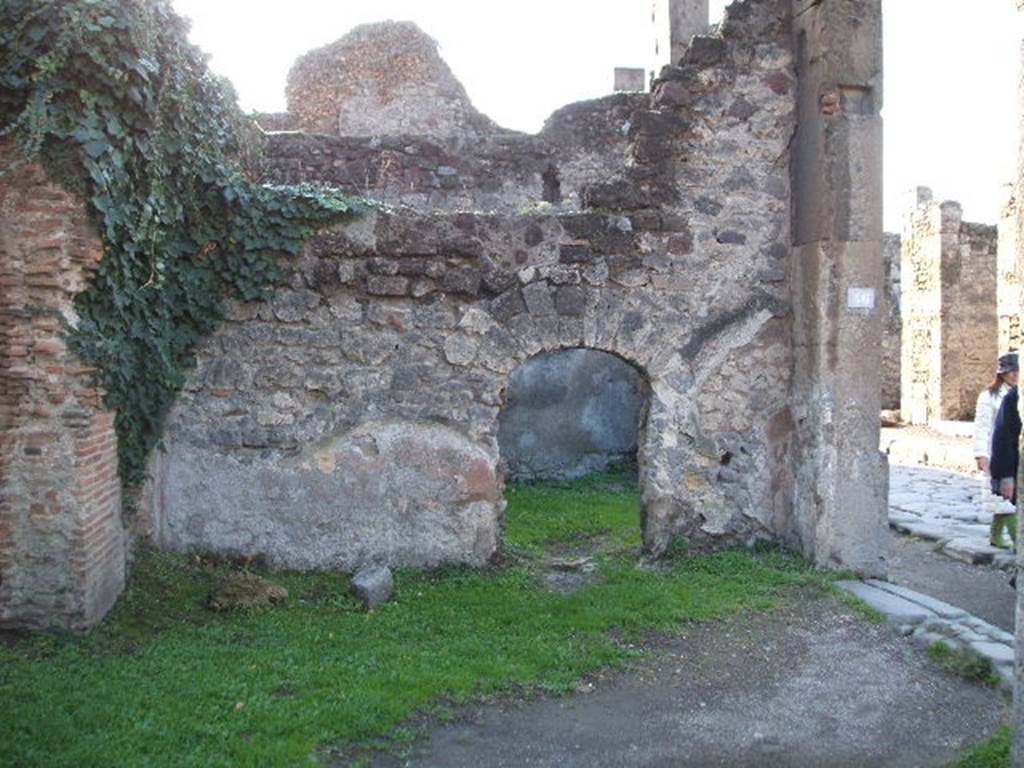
x=661 y=464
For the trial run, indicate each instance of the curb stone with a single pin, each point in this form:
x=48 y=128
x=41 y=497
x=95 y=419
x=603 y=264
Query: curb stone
x=927 y=620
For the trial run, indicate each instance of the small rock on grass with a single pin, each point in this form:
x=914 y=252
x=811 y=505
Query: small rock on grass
x=373 y=585
x=245 y=590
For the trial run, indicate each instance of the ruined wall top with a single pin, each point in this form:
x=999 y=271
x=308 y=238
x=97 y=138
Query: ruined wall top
x=385 y=78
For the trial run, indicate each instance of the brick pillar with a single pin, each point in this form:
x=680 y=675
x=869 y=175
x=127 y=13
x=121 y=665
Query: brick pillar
x=62 y=546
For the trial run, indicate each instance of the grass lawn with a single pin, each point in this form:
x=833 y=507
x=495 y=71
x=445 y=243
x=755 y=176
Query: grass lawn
x=164 y=681
x=991 y=753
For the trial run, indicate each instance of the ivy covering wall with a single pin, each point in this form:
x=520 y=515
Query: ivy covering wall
x=116 y=103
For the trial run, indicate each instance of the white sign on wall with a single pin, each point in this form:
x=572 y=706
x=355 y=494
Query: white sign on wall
x=861 y=299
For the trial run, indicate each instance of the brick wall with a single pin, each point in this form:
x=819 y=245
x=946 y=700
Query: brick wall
x=62 y=550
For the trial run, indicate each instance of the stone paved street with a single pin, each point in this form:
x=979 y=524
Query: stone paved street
x=947 y=508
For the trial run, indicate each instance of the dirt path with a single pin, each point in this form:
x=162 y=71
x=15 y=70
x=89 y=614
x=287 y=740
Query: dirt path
x=811 y=684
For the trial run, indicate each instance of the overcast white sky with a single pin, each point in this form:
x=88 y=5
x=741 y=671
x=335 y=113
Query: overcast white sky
x=951 y=70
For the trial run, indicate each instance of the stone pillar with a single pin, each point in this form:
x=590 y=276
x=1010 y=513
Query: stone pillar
x=921 y=268
x=1017 y=750
x=893 y=324
x=1010 y=280
x=675 y=24
x=62 y=549
x=949 y=313
x=838 y=281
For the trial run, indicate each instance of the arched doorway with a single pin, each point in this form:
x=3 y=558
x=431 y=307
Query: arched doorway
x=569 y=413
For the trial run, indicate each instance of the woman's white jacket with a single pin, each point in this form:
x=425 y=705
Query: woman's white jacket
x=984 y=419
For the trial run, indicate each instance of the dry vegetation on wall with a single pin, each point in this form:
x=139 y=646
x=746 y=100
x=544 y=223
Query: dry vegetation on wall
x=118 y=106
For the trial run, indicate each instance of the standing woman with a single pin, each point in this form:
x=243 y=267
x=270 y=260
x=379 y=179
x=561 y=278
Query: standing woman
x=1006 y=454
x=989 y=401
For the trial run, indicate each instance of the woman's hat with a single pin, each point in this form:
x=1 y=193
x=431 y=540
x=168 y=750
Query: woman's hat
x=1008 y=363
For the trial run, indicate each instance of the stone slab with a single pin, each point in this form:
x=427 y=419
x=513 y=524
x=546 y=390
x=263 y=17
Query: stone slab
x=970 y=551
x=896 y=609
x=945 y=610
x=933 y=531
x=997 y=652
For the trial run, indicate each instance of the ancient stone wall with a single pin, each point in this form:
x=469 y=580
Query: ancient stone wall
x=1010 y=285
x=62 y=550
x=970 y=325
x=668 y=247
x=581 y=150
x=893 y=324
x=949 y=311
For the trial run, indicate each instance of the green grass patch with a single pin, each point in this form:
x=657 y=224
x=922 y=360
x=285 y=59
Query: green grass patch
x=994 y=752
x=546 y=515
x=165 y=682
x=964 y=663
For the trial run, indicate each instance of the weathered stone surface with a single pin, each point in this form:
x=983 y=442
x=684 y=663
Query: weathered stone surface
x=373 y=586
x=395 y=492
x=245 y=590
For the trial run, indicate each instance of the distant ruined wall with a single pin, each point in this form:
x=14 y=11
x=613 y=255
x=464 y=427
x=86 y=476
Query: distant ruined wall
x=893 y=324
x=62 y=545
x=415 y=94
x=1010 y=268
x=950 y=331
x=972 y=325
